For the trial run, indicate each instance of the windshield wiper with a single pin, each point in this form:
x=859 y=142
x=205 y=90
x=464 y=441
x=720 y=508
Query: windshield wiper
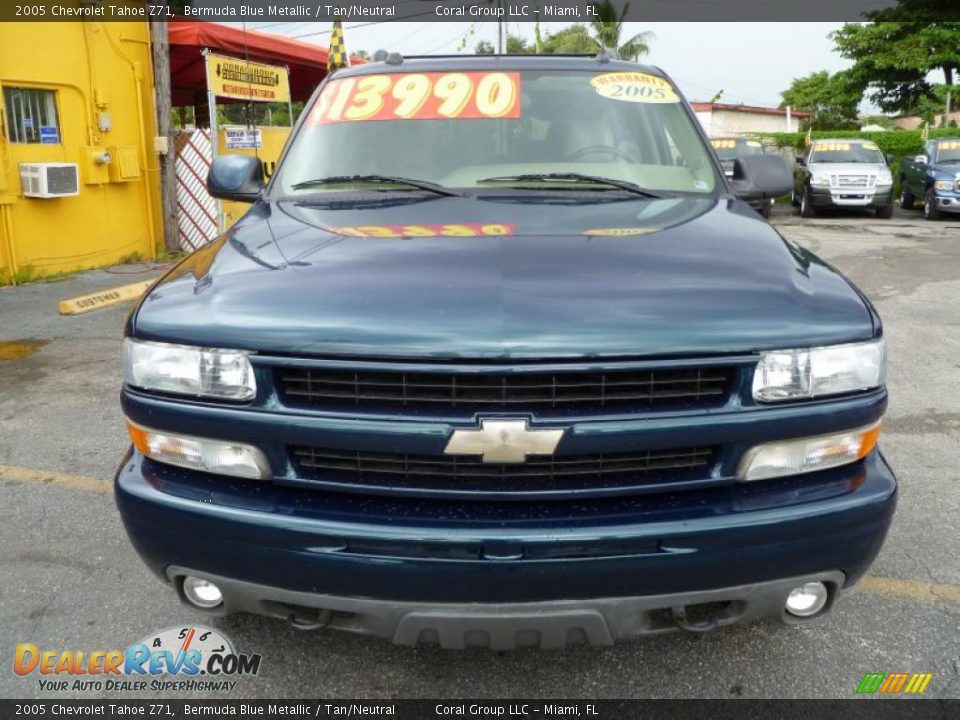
x=381 y=179
x=574 y=177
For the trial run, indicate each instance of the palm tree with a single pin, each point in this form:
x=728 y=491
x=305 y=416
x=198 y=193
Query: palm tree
x=608 y=27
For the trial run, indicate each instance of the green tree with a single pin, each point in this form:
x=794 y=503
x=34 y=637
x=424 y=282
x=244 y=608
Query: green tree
x=516 y=45
x=607 y=30
x=831 y=100
x=894 y=54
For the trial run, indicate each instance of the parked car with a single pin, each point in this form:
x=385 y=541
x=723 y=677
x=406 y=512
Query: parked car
x=500 y=357
x=728 y=149
x=934 y=175
x=843 y=174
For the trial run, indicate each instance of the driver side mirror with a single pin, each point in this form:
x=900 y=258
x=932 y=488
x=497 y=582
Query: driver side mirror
x=236 y=177
x=921 y=160
x=761 y=176
x=801 y=160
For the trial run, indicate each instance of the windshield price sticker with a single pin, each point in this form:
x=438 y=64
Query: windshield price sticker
x=832 y=147
x=723 y=144
x=950 y=145
x=754 y=143
x=634 y=87
x=419 y=96
x=410 y=231
x=870 y=146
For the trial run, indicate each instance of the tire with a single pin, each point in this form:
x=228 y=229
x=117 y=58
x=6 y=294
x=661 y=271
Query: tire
x=885 y=212
x=807 y=209
x=907 y=199
x=930 y=209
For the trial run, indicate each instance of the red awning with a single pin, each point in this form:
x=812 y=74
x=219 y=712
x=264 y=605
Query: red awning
x=307 y=63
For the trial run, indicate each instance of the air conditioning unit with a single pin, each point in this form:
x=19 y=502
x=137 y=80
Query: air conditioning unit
x=49 y=180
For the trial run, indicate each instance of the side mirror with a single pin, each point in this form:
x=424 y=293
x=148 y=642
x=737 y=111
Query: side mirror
x=801 y=160
x=757 y=177
x=921 y=160
x=236 y=177
x=889 y=158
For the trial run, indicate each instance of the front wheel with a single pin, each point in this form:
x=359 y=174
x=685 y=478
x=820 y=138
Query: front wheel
x=930 y=209
x=885 y=212
x=806 y=206
x=906 y=198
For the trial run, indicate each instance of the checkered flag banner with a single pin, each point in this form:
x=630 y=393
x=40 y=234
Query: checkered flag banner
x=337 y=56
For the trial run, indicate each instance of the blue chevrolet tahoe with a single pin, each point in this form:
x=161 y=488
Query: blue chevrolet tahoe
x=500 y=357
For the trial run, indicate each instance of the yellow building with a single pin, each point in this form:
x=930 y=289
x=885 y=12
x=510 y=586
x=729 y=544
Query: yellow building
x=78 y=95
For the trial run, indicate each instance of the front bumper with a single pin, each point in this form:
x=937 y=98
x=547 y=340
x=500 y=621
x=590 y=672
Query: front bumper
x=849 y=198
x=947 y=201
x=317 y=559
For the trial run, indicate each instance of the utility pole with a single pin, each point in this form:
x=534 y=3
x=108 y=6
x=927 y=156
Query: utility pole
x=499 y=28
x=164 y=143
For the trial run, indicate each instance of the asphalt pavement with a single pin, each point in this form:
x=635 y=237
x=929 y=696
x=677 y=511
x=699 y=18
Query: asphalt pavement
x=69 y=579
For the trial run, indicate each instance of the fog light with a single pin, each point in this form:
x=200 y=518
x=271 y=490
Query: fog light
x=202 y=593
x=807 y=599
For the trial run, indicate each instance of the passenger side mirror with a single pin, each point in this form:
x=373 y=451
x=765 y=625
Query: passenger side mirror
x=236 y=177
x=801 y=160
x=761 y=176
x=889 y=158
x=921 y=160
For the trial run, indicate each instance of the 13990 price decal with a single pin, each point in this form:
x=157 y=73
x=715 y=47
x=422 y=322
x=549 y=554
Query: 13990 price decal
x=419 y=96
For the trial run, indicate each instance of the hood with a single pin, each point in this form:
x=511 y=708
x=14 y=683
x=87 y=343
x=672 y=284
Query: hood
x=522 y=276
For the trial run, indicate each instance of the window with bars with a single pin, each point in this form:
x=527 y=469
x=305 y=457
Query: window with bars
x=31 y=115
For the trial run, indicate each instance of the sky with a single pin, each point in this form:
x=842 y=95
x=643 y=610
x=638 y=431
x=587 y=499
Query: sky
x=751 y=62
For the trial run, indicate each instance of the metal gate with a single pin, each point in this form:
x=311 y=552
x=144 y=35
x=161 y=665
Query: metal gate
x=197 y=216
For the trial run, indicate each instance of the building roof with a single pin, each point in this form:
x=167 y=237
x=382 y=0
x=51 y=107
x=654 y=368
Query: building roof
x=754 y=109
x=307 y=63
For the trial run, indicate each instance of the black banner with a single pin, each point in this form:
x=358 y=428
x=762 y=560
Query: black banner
x=359 y=11
x=486 y=709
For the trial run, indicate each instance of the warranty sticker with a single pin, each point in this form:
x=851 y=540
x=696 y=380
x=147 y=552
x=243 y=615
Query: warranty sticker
x=635 y=87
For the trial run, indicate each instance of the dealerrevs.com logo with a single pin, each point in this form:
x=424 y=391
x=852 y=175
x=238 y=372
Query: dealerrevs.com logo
x=182 y=659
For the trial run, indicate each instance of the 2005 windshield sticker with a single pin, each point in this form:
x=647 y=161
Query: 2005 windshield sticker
x=635 y=87
x=419 y=96
x=429 y=230
x=191 y=658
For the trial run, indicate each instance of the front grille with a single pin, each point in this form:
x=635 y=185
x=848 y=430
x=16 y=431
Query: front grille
x=854 y=181
x=674 y=387
x=467 y=473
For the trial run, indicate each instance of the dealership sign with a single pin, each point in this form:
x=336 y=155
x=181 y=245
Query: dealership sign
x=241 y=80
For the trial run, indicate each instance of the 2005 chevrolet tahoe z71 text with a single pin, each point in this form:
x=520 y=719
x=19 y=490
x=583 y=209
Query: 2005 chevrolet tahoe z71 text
x=500 y=357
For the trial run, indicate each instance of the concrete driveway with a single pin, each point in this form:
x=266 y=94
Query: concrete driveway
x=70 y=580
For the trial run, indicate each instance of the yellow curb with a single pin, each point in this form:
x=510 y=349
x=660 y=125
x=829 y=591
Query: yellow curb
x=49 y=477
x=104 y=298
x=912 y=589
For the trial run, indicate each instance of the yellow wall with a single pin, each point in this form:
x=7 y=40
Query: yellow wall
x=94 y=68
x=274 y=138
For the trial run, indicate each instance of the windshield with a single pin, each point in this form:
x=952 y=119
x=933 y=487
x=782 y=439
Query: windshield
x=482 y=130
x=732 y=148
x=948 y=151
x=846 y=152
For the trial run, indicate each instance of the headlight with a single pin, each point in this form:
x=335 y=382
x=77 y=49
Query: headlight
x=820 y=180
x=884 y=178
x=803 y=455
x=944 y=184
x=184 y=370
x=815 y=372
x=213 y=456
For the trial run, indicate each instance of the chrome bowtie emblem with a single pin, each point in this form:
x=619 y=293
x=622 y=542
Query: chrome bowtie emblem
x=503 y=441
